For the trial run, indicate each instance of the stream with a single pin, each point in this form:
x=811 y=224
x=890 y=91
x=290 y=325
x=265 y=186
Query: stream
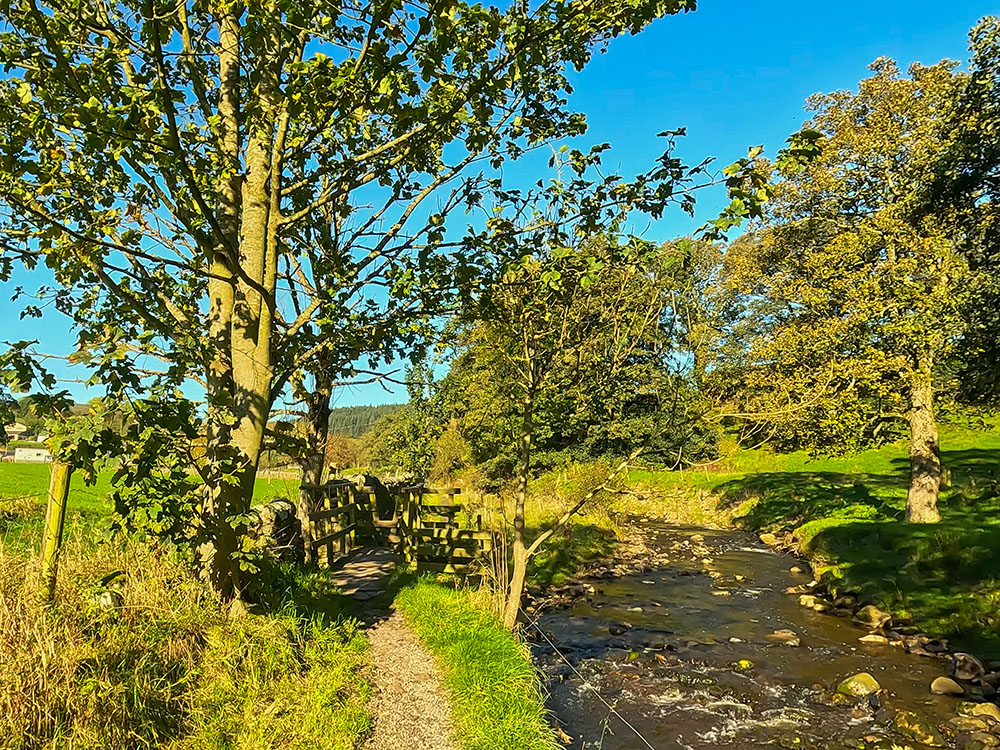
x=686 y=653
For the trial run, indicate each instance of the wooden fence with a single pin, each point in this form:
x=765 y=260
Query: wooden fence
x=430 y=528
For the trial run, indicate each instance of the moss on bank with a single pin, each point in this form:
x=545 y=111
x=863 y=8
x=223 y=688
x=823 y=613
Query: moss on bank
x=496 y=697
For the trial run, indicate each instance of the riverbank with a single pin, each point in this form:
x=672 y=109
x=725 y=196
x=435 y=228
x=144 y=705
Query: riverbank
x=698 y=645
x=845 y=516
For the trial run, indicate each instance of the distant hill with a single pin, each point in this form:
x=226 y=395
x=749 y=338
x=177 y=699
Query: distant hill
x=355 y=420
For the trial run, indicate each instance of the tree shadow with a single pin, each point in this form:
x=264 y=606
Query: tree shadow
x=945 y=575
x=784 y=499
x=569 y=552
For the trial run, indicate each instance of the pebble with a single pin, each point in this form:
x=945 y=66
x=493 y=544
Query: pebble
x=967 y=667
x=874 y=638
x=946 y=686
x=785 y=637
x=859 y=685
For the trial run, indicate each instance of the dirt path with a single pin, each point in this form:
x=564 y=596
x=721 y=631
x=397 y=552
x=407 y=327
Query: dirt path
x=409 y=707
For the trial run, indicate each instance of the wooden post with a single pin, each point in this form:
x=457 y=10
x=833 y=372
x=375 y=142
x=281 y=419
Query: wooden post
x=55 y=518
x=306 y=525
x=406 y=534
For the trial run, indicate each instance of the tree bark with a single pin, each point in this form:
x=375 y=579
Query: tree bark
x=519 y=566
x=317 y=433
x=925 y=455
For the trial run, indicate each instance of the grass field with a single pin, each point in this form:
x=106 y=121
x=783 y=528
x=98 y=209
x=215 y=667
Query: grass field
x=88 y=505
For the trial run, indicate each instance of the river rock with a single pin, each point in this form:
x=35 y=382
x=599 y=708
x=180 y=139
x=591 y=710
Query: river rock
x=874 y=638
x=977 y=741
x=910 y=726
x=966 y=667
x=872 y=616
x=946 y=686
x=808 y=600
x=744 y=664
x=769 y=539
x=969 y=724
x=795 y=570
x=859 y=685
x=697 y=538
x=785 y=637
x=986 y=711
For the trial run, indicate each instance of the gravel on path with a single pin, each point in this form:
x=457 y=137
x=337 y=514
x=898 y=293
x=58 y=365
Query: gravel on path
x=409 y=704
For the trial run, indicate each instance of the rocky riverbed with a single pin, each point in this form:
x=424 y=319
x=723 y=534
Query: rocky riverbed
x=698 y=638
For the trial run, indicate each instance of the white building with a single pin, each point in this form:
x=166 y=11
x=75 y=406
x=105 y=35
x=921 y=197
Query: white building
x=15 y=431
x=32 y=455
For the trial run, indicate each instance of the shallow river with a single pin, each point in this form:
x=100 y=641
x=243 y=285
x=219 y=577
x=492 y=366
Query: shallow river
x=664 y=647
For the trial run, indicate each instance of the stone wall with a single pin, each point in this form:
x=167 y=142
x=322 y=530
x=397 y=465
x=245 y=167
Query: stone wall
x=278 y=530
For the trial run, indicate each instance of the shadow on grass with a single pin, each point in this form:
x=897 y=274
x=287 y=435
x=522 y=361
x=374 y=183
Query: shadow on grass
x=946 y=576
x=783 y=500
x=569 y=552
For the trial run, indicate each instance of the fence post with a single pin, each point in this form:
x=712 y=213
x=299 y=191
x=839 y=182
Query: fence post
x=55 y=519
x=306 y=523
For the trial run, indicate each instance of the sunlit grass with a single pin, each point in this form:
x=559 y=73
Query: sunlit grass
x=495 y=693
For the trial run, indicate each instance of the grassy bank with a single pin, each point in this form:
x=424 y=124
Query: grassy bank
x=846 y=516
x=496 y=697
x=161 y=664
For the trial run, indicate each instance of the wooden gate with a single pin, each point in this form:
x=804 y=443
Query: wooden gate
x=340 y=516
x=430 y=528
x=436 y=532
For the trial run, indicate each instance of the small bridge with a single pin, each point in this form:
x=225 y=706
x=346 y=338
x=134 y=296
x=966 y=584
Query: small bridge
x=364 y=530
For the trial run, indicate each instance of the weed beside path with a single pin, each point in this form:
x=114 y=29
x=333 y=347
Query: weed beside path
x=151 y=659
x=495 y=693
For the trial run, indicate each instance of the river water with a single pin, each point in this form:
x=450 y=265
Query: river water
x=662 y=651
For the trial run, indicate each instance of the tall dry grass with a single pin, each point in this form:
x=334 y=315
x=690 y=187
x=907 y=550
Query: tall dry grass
x=164 y=666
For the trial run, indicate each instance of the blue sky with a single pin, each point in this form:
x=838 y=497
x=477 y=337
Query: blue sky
x=735 y=74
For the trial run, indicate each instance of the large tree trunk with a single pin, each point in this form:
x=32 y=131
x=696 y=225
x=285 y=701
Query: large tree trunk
x=317 y=432
x=519 y=566
x=925 y=455
x=241 y=314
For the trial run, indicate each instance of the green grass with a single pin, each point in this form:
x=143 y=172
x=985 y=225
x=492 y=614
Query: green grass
x=33 y=479
x=846 y=515
x=496 y=698
x=88 y=506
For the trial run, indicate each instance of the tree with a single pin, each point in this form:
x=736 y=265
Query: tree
x=563 y=322
x=845 y=306
x=965 y=193
x=236 y=189
x=596 y=418
x=341 y=452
